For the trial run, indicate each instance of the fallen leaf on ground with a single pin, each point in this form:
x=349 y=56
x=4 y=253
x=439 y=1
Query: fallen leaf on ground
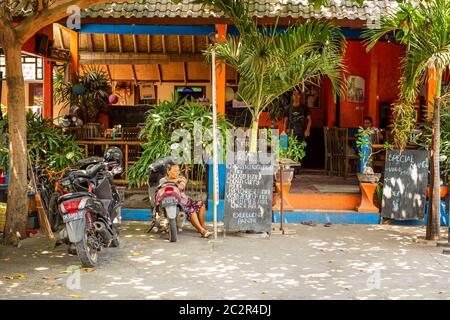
x=77 y=296
x=135 y=254
x=17 y=276
x=6 y=259
x=330 y=261
x=49 y=278
x=263 y=292
x=51 y=287
x=88 y=269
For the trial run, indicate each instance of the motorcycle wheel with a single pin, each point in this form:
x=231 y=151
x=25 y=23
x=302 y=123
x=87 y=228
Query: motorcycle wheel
x=173 y=230
x=53 y=214
x=86 y=252
x=115 y=242
x=71 y=250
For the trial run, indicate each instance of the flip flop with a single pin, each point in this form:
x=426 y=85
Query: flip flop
x=207 y=234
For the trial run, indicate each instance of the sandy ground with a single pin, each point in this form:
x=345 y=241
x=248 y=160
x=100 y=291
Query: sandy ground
x=317 y=262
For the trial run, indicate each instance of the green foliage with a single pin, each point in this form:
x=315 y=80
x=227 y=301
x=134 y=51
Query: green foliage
x=96 y=82
x=404 y=123
x=295 y=151
x=46 y=144
x=271 y=62
x=158 y=132
x=364 y=141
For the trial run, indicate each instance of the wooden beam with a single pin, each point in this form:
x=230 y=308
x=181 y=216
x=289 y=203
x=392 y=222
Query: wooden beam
x=119 y=38
x=159 y=73
x=91 y=36
x=185 y=72
x=149 y=43
x=48 y=88
x=135 y=44
x=193 y=44
x=109 y=73
x=87 y=57
x=163 y=40
x=60 y=38
x=90 y=42
x=134 y=74
x=105 y=43
x=179 y=44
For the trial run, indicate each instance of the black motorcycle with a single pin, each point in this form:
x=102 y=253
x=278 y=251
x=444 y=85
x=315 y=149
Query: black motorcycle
x=91 y=212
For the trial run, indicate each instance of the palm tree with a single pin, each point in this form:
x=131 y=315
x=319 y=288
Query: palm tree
x=271 y=62
x=424 y=28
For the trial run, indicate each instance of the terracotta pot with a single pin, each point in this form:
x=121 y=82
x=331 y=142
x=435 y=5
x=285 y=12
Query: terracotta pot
x=288 y=175
x=369 y=178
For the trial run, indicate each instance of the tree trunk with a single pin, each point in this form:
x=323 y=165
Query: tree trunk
x=16 y=213
x=433 y=224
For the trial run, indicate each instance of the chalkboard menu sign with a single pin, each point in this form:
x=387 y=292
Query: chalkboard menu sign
x=248 y=197
x=405 y=184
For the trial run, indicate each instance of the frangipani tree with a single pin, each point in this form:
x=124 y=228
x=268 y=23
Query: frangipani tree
x=424 y=28
x=19 y=21
x=271 y=62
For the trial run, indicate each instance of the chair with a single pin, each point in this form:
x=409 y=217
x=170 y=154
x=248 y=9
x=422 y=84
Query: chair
x=340 y=154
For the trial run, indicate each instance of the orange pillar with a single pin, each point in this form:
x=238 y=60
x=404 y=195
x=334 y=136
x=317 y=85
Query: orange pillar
x=48 y=88
x=74 y=57
x=373 y=88
x=221 y=30
x=431 y=91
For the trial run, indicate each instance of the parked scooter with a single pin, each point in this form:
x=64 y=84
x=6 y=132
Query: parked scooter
x=91 y=210
x=165 y=201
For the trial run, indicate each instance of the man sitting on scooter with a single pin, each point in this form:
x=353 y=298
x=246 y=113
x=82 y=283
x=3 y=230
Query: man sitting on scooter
x=195 y=210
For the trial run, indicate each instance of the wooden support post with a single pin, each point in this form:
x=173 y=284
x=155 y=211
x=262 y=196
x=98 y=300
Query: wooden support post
x=48 y=89
x=149 y=43
x=74 y=52
x=193 y=44
x=221 y=30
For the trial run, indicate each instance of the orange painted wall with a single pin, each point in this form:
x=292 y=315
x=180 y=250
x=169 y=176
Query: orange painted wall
x=389 y=72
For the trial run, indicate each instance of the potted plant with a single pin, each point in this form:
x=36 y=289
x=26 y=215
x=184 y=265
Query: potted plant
x=90 y=92
x=363 y=142
x=289 y=157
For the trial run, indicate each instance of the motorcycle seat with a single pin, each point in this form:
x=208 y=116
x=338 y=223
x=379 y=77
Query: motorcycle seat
x=74 y=195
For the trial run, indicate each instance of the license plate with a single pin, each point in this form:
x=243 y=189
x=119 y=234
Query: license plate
x=73 y=216
x=169 y=201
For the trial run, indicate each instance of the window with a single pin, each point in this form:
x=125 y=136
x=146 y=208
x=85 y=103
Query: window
x=193 y=93
x=32 y=67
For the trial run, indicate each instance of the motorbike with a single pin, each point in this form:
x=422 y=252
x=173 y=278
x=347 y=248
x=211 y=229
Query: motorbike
x=91 y=212
x=165 y=201
x=49 y=187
